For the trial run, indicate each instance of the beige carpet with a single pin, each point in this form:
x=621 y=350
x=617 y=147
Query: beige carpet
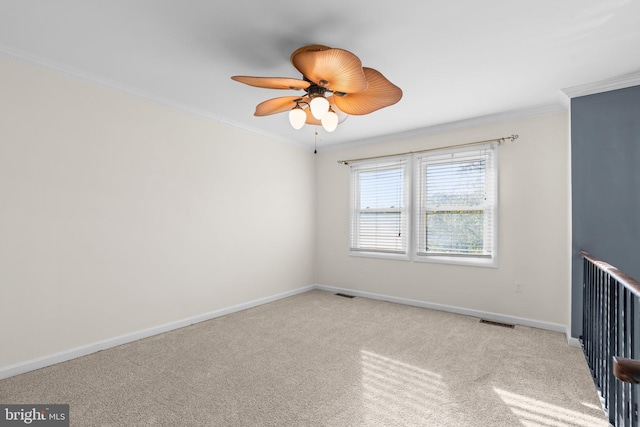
x=317 y=359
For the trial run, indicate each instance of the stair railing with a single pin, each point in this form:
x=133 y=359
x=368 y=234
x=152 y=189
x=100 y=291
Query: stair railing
x=610 y=338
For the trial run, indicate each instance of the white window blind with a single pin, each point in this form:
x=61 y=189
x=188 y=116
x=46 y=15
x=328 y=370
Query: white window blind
x=455 y=196
x=379 y=206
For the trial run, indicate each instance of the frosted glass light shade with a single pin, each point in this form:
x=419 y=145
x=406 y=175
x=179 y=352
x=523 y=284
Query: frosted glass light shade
x=297 y=117
x=330 y=121
x=319 y=107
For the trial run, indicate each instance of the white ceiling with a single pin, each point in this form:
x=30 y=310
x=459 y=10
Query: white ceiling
x=455 y=60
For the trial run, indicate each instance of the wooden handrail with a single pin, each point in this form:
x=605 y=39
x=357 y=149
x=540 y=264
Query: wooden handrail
x=626 y=280
x=627 y=370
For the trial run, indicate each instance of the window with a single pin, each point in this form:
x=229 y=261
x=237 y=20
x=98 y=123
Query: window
x=453 y=194
x=455 y=199
x=379 y=214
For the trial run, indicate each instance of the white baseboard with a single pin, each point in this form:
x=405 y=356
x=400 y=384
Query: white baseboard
x=52 y=359
x=556 y=327
x=63 y=356
x=573 y=342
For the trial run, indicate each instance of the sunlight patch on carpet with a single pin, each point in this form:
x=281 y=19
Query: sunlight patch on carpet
x=391 y=388
x=533 y=412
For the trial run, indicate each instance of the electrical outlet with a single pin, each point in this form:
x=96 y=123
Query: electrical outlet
x=519 y=287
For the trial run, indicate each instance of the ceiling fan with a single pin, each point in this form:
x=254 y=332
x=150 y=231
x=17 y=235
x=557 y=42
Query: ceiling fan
x=336 y=85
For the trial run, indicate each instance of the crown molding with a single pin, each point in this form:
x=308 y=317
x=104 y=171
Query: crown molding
x=562 y=104
x=619 y=82
x=47 y=65
x=521 y=113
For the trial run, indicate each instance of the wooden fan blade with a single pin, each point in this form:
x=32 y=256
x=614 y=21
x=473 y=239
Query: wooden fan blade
x=342 y=116
x=272 y=82
x=276 y=105
x=380 y=93
x=335 y=69
x=309 y=48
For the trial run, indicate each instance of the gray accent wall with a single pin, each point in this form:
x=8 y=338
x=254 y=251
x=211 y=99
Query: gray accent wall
x=605 y=180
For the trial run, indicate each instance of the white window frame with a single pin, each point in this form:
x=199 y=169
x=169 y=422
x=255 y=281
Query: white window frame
x=487 y=153
x=355 y=247
x=413 y=210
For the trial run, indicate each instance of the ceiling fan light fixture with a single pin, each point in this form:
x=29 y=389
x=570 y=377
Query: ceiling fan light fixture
x=297 y=117
x=330 y=121
x=319 y=107
x=336 y=86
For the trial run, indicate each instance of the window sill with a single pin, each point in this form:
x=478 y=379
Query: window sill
x=472 y=262
x=379 y=255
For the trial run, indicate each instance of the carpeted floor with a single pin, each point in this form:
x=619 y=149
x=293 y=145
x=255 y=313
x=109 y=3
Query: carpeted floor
x=317 y=359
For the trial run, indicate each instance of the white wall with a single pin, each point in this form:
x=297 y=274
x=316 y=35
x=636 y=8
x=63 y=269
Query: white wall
x=118 y=214
x=533 y=228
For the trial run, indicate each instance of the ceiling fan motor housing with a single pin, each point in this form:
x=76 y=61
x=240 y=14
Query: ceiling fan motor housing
x=314 y=91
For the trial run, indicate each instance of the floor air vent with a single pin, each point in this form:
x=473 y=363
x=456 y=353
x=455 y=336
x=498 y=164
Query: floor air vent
x=491 y=322
x=345 y=295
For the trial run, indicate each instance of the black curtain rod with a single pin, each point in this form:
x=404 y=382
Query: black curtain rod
x=498 y=140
